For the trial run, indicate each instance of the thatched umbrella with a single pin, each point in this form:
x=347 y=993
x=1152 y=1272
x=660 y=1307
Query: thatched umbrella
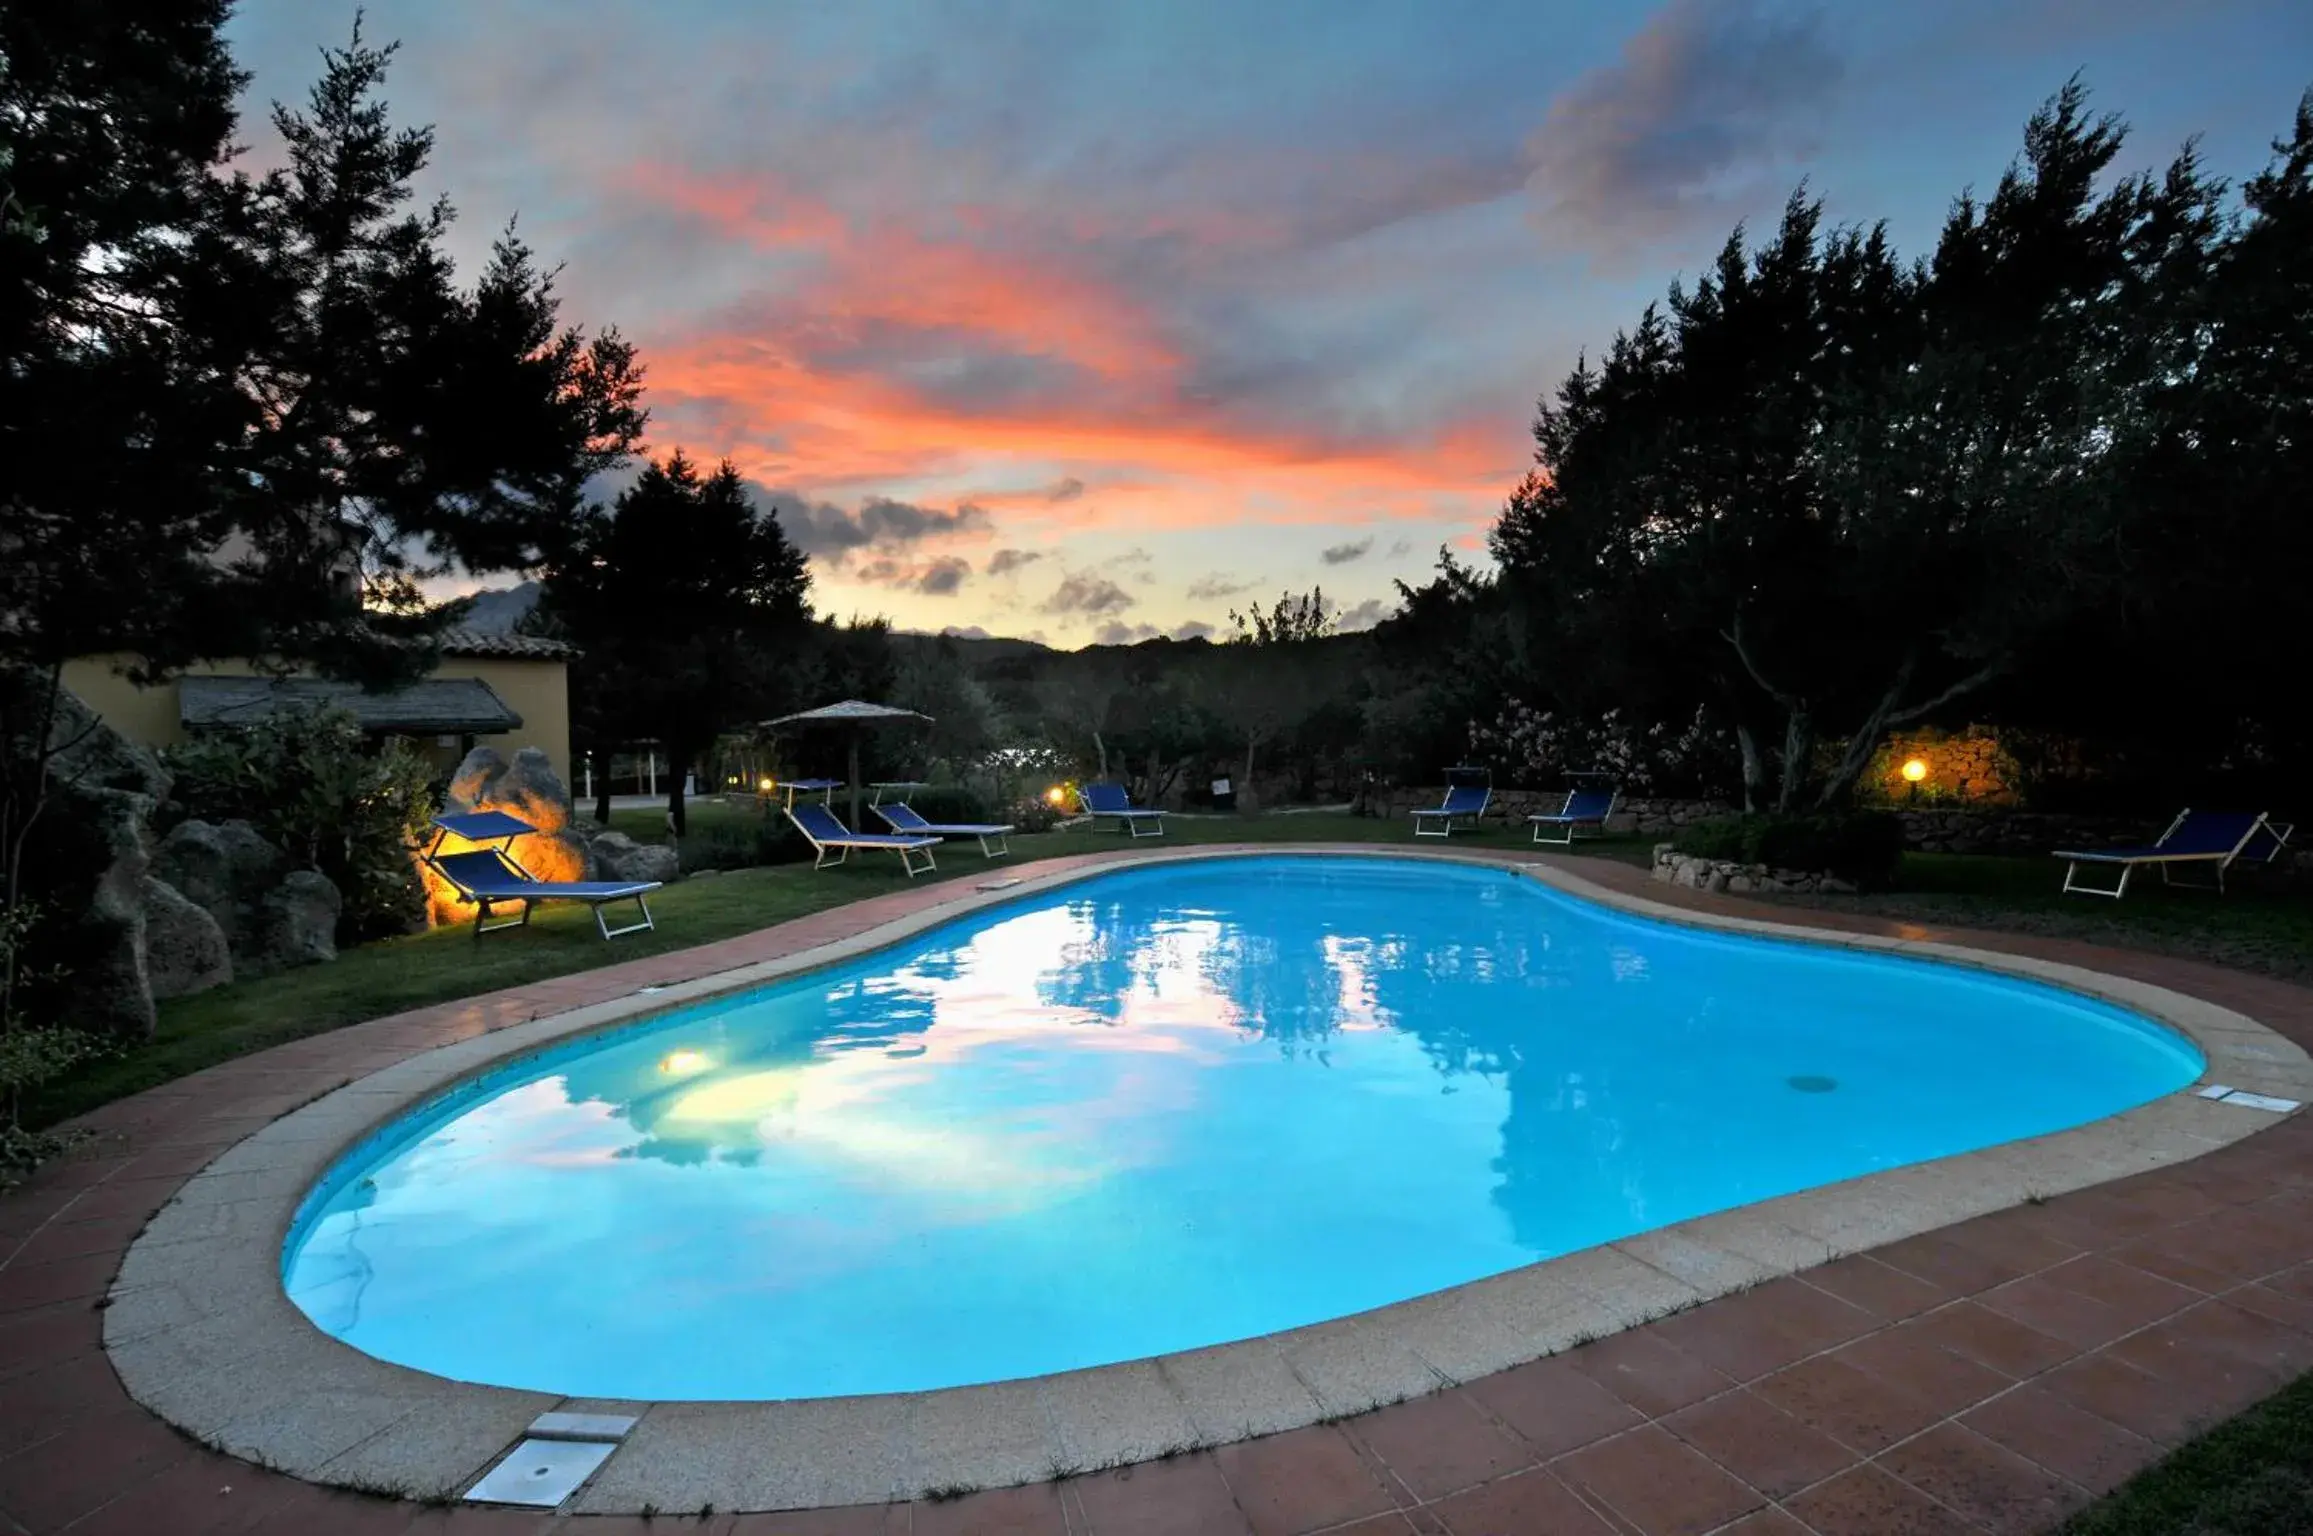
x=858 y=715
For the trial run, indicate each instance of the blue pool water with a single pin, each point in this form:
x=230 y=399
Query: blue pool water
x=1163 y=1108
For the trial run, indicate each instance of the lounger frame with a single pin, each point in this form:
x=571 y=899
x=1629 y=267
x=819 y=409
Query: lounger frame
x=1130 y=818
x=482 y=904
x=1444 y=814
x=915 y=853
x=995 y=841
x=1567 y=822
x=2170 y=864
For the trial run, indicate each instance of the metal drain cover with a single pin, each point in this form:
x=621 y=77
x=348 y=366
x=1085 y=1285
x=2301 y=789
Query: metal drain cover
x=1807 y=1082
x=540 y=1474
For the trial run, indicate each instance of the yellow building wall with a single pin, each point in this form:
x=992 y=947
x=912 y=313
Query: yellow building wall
x=538 y=691
x=146 y=716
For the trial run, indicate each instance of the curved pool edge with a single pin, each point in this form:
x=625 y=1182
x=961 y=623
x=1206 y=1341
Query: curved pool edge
x=202 y=1334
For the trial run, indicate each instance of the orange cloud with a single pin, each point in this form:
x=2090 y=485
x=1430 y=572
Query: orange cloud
x=886 y=273
x=782 y=381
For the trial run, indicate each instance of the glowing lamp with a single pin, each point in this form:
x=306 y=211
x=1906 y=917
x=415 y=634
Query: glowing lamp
x=1915 y=770
x=676 y=1063
x=1056 y=795
x=766 y=784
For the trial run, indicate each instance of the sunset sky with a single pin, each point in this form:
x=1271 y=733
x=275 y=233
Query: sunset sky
x=1089 y=320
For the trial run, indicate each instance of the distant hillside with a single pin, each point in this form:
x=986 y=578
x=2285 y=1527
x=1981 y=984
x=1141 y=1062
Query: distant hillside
x=497 y=611
x=975 y=649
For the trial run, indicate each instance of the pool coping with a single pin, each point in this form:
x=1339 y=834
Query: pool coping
x=202 y=1334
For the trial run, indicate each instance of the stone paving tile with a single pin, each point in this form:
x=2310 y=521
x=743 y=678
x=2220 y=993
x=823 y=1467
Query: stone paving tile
x=200 y=1496
x=2073 y=1443
x=856 y=1520
x=1647 y=1372
x=2113 y=1389
x=1943 y=1382
x=1440 y=1444
x=1301 y=1480
x=1882 y=1290
x=1991 y=1339
x=2219 y=1354
x=1870 y=1502
x=1532 y=1503
x=83 y=1278
x=1187 y=1496
x=2128 y=1266
x=85 y=1465
x=2046 y=1306
x=2028 y=1237
x=42 y=1337
x=1764 y=1329
x=1030 y=1511
x=1553 y=1405
x=2271 y=1299
x=1657 y=1483
x=1851 y=1405
x=1933 y=1257
x=1990 y=1485
x=1767 y=1522
x=41 y=1404
x=1759 y=1443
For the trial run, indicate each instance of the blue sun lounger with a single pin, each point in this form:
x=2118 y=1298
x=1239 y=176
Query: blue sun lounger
x=489 y=876
x=828 y=835
x=906 y=820
x=1468 y=800
x=2215 y=839
x=1101 y=800
x=1583 y=808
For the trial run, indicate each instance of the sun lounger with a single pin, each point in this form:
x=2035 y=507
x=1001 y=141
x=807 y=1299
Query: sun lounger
x=827 y=835
x=488 y=876
x=1101 y=800
x=2211 y=840
x=1468 y=800
x=904 y=819
x=1583 y=808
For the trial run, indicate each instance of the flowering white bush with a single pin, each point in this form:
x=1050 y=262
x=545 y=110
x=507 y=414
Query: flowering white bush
x=1537 y=748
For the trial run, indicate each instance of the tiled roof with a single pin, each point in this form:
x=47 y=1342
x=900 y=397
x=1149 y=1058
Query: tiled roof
x=434 y=706
x=475 y=642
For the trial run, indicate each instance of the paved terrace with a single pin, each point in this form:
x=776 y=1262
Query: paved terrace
x=1988 y=1376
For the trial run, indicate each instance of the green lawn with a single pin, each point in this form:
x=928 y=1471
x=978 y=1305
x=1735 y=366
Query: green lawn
x=2250 y=1476
x=2260 y=924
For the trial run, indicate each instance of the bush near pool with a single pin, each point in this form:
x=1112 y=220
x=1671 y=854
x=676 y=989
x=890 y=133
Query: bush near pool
x=1862 y=846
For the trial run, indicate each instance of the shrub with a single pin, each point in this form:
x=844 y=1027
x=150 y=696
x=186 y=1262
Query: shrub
x=1032 y=813
x=741 y=844
x=1539 y=747
x=315 y=787
x=1862 y=846
x=942 y=803
x=31 y=1056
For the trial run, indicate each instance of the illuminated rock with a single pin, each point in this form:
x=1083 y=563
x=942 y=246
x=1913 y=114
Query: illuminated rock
x=527 y=787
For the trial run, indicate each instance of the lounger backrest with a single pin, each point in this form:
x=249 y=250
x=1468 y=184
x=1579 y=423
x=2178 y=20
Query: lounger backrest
x=1589 y=805
x=2266 y=844
x=1104 y=799
x=484 y=826
x=903 y=818
x=1466 y=800
x=819 y=824
x=2209 y=832
x=480 y=869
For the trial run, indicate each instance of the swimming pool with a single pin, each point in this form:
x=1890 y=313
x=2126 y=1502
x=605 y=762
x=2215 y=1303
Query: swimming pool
x=1161 y=1108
